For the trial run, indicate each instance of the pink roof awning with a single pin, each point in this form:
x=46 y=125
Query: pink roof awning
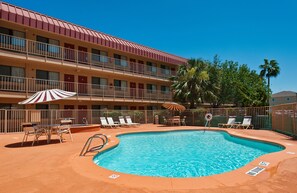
x=36 y=20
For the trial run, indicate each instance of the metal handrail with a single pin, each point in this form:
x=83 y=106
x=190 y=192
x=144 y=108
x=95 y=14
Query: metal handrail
x=86 y=149
x=36 y=48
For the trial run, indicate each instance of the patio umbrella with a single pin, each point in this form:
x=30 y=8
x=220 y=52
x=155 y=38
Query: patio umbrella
x=174 y=106
x=47 y=96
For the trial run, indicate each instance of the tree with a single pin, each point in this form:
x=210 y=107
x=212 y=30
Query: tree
x=269 y=69
x=191 y=83
x=218 y=83
x=250 y=88
x=228 y=79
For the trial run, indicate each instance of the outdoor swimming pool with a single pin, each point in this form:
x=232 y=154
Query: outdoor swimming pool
x=182 y=153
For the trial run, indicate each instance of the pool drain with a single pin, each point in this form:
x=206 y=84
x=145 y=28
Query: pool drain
x=255 y=171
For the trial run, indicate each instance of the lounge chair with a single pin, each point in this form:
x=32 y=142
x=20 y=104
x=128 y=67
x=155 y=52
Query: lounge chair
x=246 y=123
x=104 y=122
x=111 y=122
x=122 y=121
x=230 y=123
x=66 y=122
x=129 y=121
x=29 y=129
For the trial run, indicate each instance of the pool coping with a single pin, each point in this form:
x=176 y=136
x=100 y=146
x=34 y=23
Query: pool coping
x=86 y=167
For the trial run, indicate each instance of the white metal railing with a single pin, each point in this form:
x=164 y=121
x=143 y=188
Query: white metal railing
x=32 y=85
x=11 y=119
x=80 y=58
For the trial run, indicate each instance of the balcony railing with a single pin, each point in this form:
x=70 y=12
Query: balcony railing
x=80 y=58
x=32 y=85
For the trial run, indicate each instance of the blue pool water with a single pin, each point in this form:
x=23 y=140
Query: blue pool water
x=181 y=153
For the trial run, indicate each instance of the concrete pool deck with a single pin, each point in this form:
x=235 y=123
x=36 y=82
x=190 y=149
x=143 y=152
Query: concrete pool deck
x=58 y=167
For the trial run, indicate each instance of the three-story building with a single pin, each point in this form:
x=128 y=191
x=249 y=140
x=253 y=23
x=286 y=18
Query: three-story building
x=39 y=52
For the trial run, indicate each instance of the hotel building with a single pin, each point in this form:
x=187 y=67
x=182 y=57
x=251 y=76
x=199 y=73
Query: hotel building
x=38 y=52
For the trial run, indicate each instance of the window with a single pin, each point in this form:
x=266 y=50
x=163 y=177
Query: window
x=99 y=83
x=152 y=68
x=48 y=106
x=41 y=106
x=120 y=85
x=95 y=107
x=151 y=88
x=13 y=72
x=99 y=56
x=11 y=106
x=12 y=114
x=50 y=77
x=47 y=44
x=165 y=89
x=16 y=38
x=46 y=114
x=117 y=107
x=120 y=60
x=150 y=108
x=165 y=70
x=124 y=108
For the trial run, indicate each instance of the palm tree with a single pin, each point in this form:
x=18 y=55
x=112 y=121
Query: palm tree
x=269 y=69
x=191 y=82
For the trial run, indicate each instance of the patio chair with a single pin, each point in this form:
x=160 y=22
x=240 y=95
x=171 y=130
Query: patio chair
x=230 y=123
x=129 y=121
x=122 y=121
x=183 y=121
x=62 y=129
x=246 y=123
x=165 y=121
x=175 y=120
x=104 y=122
x=29 y=129
x=111 y=122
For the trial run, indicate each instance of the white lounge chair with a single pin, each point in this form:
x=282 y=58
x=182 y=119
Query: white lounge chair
x=122 y=121
x=111 y=122
x=230 y=123
x=129 y=121
x=104 y=122
x=246 y=123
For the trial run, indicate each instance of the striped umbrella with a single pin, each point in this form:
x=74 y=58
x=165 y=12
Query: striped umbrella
x=174 y=106
x=47 y=96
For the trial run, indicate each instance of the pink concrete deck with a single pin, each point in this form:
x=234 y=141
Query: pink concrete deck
x=57 y=167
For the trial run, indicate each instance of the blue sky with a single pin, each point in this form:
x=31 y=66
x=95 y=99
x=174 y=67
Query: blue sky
x=242 y=31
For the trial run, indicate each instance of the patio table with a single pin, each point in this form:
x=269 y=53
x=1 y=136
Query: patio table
x=174 y=120
x=48 y=128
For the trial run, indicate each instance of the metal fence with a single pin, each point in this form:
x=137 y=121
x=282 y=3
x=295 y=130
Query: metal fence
x=11 y=119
